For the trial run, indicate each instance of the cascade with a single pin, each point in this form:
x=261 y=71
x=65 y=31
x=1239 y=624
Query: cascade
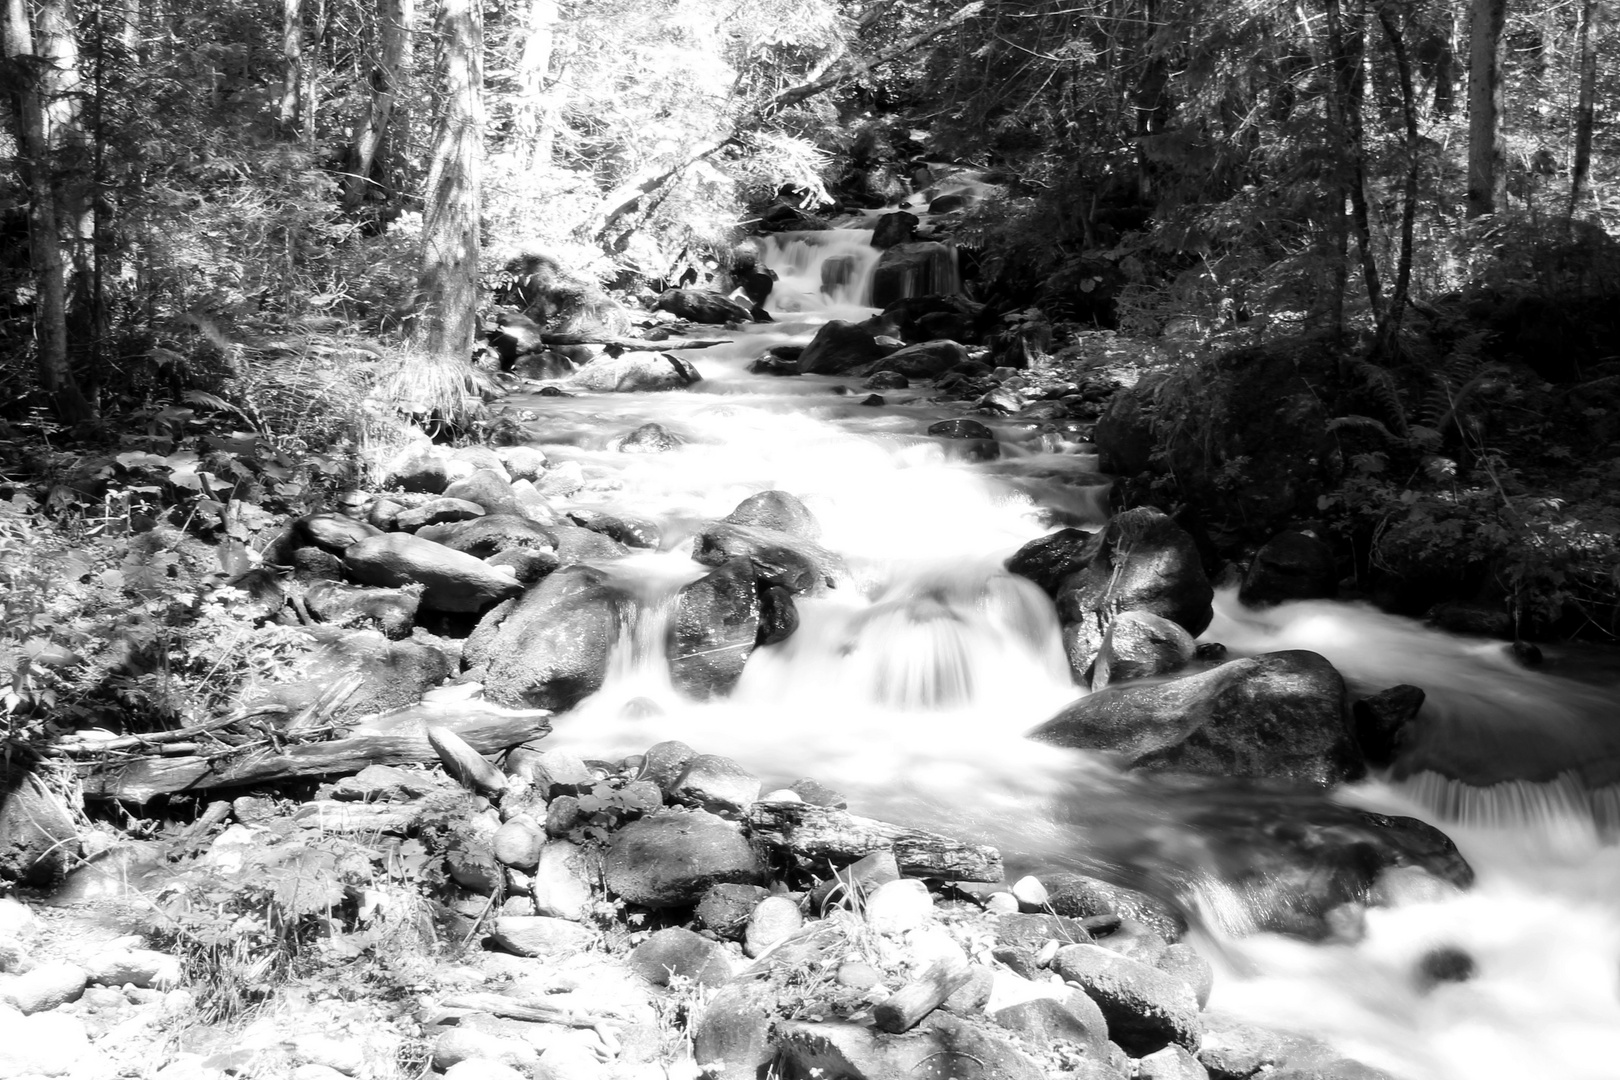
x=909 y=687
x=839 y=268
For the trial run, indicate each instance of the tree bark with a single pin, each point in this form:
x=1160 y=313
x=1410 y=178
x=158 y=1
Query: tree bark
x=395 y=19
x=532 y=124
x=1586 y=99
x=1487 y=152
x=1347 y=44
x=448 y=292
x=292 y=57
x=1389 y=332
x=30 y=119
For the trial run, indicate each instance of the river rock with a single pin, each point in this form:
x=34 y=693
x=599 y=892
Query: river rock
x=887 y=380
x=1095 y=901
x=528 y=565
x=926 y=360
x=634 y=372
x=551 y=772
x=630 y=531
x=561 y=886
x=422 y=467
x=676 y=953
x=451 y=580
x=892 y=229
x=1140 y=645
x=772 y=920
x=716 y=784
x=1281 y=716
x=1049 y=560
x=38 y=839
x=490 y=535
x=44 y=987
x=539 y=935
x=1381 y=721
x=147 y=969
x=576 y=545
x=437 y=512
x=802 y=567
x=778 y=617
x=1171 y=1063
x=732 y=1036
x=458 y=1045
x=673 y=857
x=664 y=762
x=776 y=510
x=521 y=462
x=43 y=1044
x=701 y=306
x=838 y=347
x=1290 y=566
x=649 y=439
x=1182 y=961
x=551 y=647
x=726 y=908
x=488 y=488
x=898 y=906
x=974 y=1049
x=392 y=612
x=332 y=532
x=713 y=629
x=1146 y=1009
x=1237 y=1051
x=1069 y=1017
x=517 y=843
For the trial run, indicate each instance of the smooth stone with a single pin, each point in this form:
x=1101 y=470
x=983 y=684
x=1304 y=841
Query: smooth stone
x=676 y=953
x=561 y=885
x=717 y=784
x=1171 y=1063
x=145 y=968
x=452 y=580
x=671 y=858
x=518 y=843
x=539 y=935
x=773 y=919
x=45 y=987
x=898 y=906
x=521 y=462
x=1030 y=893
x=1183 y=962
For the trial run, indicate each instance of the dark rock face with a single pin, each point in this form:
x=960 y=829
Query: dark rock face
x=838 y=347
x=1280 y=716
x=896 y=228
x=676 y=952
x=1124 y=433
x=778 y=617
x=576 y=545
x=1142 y=561
x=630 y=531
x=927 y=360
x=776 y=510
x=1140 y=645
x=969 y=439
x=1290 y=566
x=550 y=648
x=673 y=857
x=800 y=566
x=451 y=580
x=38 y=842
x=1047 y=561
x=702 y=306
x=914 y=269
x=713 y=630
x=1381 y=719
x=650 y=439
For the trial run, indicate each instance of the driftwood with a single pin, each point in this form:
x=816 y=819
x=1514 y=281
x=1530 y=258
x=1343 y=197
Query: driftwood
x=139 y=779
x=537 y=1012
x=629 y=344
x=820 y=832
x=905 y=1008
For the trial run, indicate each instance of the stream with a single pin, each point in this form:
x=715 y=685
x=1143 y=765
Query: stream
x=911 y=691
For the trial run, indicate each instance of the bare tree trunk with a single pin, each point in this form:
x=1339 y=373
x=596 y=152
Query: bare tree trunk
x=1592 y=16
x=448 y=293
x=1389 y=332
x=395 y=19
x=29 y=111
x=1487 y=152
x=1346 y=44
x=532 y=126
x=309 y=94
x=292 y=55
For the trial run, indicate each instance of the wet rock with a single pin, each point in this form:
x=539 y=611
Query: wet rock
x=451 y=580
x=560 y=480
x=551 y=648
x=390 y=611
x=550 y=772
x=629 y=531
x=576 y=545
x=1381 y=719
x=650 y=439
x=44 y=987
x=838 y=347
x=717 y=784
x=1443 y=964
x=726 y=908
x=925 y=360
x=778 y=617
x=528 y=565
x=438 y=512
x=701 y=306
x=678 y=953
x=772 y=920
x=913 y=269
x=1398 y=885
x=664 y=762
x=1051 y=559
x=776 y=510
x=673 y=857
x=887 y=380
x=800 y=566
x=539 y=935
x=38 y=839
x=1140 y=645
x=732 y=1037
x=521 y=462
x=772 y=364
x=1182 y=961
x=1071 y=1017
x=473 y=866
x=891 y=229
x=1101 y=905
x=1290 y=566
x=968 y=440
x=713 y=631
x=1277 y=716
x=487 y=488
x=1238 y=1051
x=874 y=400
x=634 y=372
x=1145 y=1008
x=1136 y=940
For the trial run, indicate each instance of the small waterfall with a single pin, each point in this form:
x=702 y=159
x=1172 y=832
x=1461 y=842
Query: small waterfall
x=840 y=268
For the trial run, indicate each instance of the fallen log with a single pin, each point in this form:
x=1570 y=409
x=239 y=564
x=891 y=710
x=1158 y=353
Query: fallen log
x=905 y=1008
x=630 y=344
x=140 y=779
x=820 y=832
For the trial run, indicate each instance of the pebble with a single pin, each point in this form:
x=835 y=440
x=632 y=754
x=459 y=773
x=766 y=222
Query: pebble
x=898 y=906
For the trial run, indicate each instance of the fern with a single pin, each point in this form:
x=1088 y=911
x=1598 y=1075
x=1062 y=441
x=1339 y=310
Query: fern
x=1378 y=381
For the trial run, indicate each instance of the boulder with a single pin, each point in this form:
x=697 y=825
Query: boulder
x=732 y=1035
x=1278 y=716
x=1171 y=1063
x=649 y=439
x=716 y=784
x=713 y=629
x=630 y=531
x=521 y=462
x=726 y=908
x=673 y=857
x=422 y=467
x=896 y=228
x=634 y=372
x=332 y=532
x=1290 y=566
x=1146 y=1009
x=44 y=987
x=800 y=566
x=1142 y=561
x=1140 y=645
x=887 y=380
x=550 y=649
x=1069 y=1017
x=390 y=611
x=702 y=306
x=968 y=440
x=1103 y=906
x=451 y=580
x=678 y=953
x=1181 y=961
x=1050 y=559
x=1124 y=434
x=773 y=919
x=487 y=488
x=776 y=510
x=838 y=347
x=577 y=545
x=1382 y=719
x=561 y=885
x=928 y=360
x=778 y=617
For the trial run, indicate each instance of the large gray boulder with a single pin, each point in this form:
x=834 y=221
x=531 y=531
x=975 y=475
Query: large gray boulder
x=673 y=857
x=451 y=580
x=919 y=268
x=635 y=372
x=928 y=360
x=838 y=347
x=713 y=630
x=701 y=306
x=550 y=649
x=1278 y=716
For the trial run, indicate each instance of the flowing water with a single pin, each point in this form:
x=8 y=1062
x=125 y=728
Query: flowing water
x=910 y=688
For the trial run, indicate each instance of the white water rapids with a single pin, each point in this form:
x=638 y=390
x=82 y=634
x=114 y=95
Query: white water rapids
x=911 y=692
